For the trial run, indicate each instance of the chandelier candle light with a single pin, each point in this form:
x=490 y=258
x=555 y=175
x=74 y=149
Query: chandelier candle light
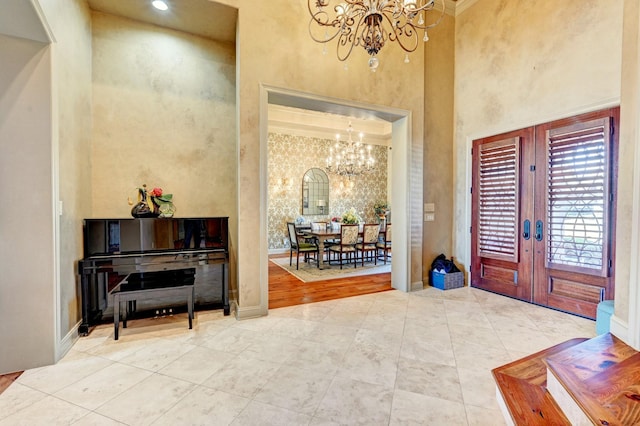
x=350 y=158
x=371 y=23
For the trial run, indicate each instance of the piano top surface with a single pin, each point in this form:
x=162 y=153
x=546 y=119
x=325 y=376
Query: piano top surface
x=147 y=237
x=149 y=253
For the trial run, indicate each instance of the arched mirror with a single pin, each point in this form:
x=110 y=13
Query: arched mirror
x=315 y=192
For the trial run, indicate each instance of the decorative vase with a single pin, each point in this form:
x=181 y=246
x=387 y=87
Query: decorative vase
x=142 y=209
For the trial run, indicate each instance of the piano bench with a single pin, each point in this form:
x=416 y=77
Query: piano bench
x=149 y=285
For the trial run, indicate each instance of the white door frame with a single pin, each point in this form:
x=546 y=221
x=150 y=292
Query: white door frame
x=401 y=161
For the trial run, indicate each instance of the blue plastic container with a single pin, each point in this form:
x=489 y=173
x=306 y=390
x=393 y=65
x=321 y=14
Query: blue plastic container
x=603 y=316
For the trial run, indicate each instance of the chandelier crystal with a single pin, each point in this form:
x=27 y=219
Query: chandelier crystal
x=350 y=158
x=371 y=23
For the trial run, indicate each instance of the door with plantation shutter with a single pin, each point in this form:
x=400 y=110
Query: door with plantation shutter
x=576 y=203
x=501 y=199
x=543 y=210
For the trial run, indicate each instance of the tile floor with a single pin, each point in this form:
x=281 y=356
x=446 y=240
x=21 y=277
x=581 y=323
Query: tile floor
x=382 y=359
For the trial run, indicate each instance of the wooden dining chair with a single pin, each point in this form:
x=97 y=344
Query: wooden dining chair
x=299 y=245
x=370 y=233
x=384 y=243
x=347 y=245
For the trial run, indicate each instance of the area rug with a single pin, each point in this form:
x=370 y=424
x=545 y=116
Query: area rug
x=309 y=272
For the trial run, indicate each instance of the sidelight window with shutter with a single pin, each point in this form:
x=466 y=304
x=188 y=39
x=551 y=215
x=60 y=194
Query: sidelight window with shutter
x=578 y=188
x=498 y=199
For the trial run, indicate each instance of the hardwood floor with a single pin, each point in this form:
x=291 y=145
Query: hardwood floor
x=287 y=290
x=7 y=379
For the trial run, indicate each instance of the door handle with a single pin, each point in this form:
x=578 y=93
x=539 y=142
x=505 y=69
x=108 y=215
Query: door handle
x=526 y=234
x=539 y=230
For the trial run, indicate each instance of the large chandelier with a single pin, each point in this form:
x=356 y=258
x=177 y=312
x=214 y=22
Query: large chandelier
x=370 y=23
x=350 y=158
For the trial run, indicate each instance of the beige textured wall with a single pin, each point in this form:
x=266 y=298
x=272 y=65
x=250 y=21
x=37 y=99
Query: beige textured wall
x=275 y=49
x=437 y=236
x=71 y=25
x=520 y=63
x=163 y=115
x=26 y=227
x=290 y=157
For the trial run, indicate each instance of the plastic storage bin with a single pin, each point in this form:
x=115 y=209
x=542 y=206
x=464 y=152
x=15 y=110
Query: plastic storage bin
x=447 y=281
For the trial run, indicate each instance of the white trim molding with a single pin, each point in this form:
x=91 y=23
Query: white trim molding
x=462 y=5
x=67 y=342
x=248 y=312
x=620 y=329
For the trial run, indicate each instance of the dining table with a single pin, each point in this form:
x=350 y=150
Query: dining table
x=327 y=234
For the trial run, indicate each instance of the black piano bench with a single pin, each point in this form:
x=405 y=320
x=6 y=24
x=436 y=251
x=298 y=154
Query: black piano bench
x=148 y=285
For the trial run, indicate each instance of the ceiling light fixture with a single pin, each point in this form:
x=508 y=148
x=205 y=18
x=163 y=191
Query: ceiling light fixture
x=350 y=158
x=371 y=23
x=160 y=4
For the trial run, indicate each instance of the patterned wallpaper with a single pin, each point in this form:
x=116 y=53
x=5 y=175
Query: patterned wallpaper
x=289 y=158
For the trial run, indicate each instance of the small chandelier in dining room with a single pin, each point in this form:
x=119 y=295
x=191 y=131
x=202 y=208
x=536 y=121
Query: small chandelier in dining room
x=371 y=23
x=350 y=158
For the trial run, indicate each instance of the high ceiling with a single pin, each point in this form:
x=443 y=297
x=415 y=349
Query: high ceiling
x=216 y=21
x=200 y=17
x=205 y=18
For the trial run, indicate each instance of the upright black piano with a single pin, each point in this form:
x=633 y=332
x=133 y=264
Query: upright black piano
x=114 y=248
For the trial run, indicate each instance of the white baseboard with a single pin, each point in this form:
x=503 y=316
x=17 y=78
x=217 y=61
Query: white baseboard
x=278 y=251
x=250 y=312
x=418 y=285
x=620 y=329
x=67 y=342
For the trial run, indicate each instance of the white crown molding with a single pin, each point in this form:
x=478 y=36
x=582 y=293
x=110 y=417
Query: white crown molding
x=462 y=5
x=450 y=7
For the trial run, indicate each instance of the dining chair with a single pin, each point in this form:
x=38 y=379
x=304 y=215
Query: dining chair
x=384 y=243
x=370 y=233
x=347 y=245
x=297 y=244
x=321 y=226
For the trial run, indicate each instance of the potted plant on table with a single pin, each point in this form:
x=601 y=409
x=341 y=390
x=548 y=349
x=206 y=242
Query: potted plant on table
x=382 y=210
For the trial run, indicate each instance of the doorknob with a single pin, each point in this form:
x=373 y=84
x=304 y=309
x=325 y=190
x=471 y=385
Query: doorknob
x=539 y=230
x=526 y=234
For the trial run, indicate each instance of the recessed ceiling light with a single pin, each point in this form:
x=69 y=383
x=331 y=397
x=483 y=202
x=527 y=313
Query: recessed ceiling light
x=160 y=5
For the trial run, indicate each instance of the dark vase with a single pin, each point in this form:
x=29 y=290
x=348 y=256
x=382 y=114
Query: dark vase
x=142 y=209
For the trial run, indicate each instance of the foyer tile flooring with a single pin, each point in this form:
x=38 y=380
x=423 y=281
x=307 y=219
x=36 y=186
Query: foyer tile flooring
x=387 y=358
